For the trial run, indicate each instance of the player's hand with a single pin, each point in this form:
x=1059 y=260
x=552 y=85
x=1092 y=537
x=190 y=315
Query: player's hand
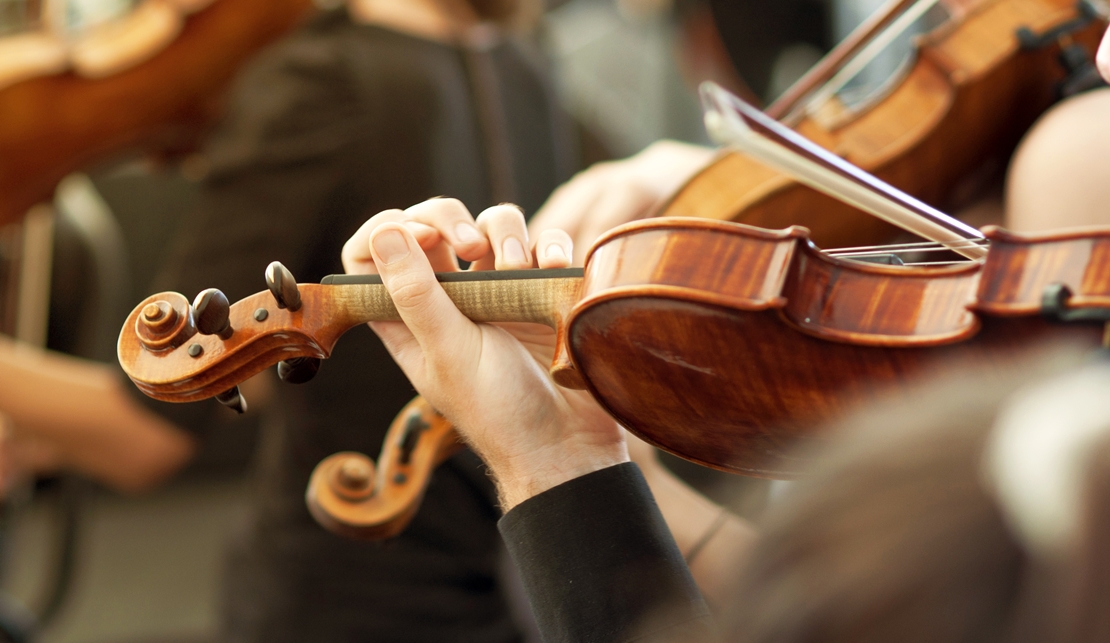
x=491 y=381
x=615 y=192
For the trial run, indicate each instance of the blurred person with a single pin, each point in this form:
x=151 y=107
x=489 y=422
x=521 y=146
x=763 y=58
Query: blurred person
x=1055 y=179
x=971 y=510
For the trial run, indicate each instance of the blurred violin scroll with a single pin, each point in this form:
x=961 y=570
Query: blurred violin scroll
x=351 y=496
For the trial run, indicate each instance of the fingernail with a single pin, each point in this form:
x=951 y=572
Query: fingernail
x=467 y=233
x=512 y=251
x=390 y=246
x=555 y=251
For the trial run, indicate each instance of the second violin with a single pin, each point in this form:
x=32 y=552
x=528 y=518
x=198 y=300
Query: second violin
x=946 y=122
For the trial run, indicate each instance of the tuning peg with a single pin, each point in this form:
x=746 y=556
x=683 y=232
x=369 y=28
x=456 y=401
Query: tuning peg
x=233 y=399
x=283 y=286
x=210 y=313
x=298 y=370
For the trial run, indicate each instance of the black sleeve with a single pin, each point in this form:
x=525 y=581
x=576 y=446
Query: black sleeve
x=599 y=564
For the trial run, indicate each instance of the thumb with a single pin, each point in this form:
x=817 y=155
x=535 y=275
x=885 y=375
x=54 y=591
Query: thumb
x=424 y=307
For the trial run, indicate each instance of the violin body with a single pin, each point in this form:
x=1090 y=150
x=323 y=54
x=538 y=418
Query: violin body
x=948 y=125
x=719 y=342
x=727 y=345
x=56 y=124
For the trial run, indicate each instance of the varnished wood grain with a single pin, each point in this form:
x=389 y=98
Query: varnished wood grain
x=1022 y=267
x=722 y=376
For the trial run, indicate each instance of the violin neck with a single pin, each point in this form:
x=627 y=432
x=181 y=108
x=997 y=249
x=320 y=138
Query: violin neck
x=533 y=296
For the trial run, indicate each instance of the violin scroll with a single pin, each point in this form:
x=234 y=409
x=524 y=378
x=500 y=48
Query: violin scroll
x=164 y=321
x=350 y=496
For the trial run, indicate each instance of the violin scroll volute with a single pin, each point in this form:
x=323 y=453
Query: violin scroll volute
x=350 y=496
x=164 y=321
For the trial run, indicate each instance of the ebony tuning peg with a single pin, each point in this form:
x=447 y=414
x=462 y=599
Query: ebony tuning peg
x=233 y=399
x=283 y=286
x=298 y=370
x=210 y=313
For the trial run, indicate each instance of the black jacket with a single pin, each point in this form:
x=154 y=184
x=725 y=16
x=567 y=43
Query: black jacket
x=600 y=565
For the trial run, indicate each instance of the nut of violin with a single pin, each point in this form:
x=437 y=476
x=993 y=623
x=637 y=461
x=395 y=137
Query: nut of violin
x=165 y=321
x=283 y=286
x=352 y=477
x=211 y=311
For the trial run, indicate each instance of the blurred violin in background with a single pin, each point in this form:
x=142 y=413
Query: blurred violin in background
x=932 y=96
x=149 y=79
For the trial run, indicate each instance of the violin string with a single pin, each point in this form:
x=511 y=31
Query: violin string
x=888 y=252
x=854 y=254
x=937 y=263
x=905 y=246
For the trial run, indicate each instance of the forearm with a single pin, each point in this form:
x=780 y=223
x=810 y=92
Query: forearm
x=79 y=408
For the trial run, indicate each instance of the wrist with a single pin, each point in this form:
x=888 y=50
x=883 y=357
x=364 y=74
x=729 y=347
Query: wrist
x=547 y=468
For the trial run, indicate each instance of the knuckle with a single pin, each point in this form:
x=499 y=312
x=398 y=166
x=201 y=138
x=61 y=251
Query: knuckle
x=437 y=210
x=453 y=207
x=412 y=294
x=386 y=215
x=502 y=217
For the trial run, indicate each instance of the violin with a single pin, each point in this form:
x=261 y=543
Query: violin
x=719 y=342
x=56 y=121
x=948 y=120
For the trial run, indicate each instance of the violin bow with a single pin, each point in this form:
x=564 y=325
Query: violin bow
x=732 y=122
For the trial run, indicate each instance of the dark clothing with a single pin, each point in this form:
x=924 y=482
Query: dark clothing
x=755 y=32
x=326 y=129
x=599 y=564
